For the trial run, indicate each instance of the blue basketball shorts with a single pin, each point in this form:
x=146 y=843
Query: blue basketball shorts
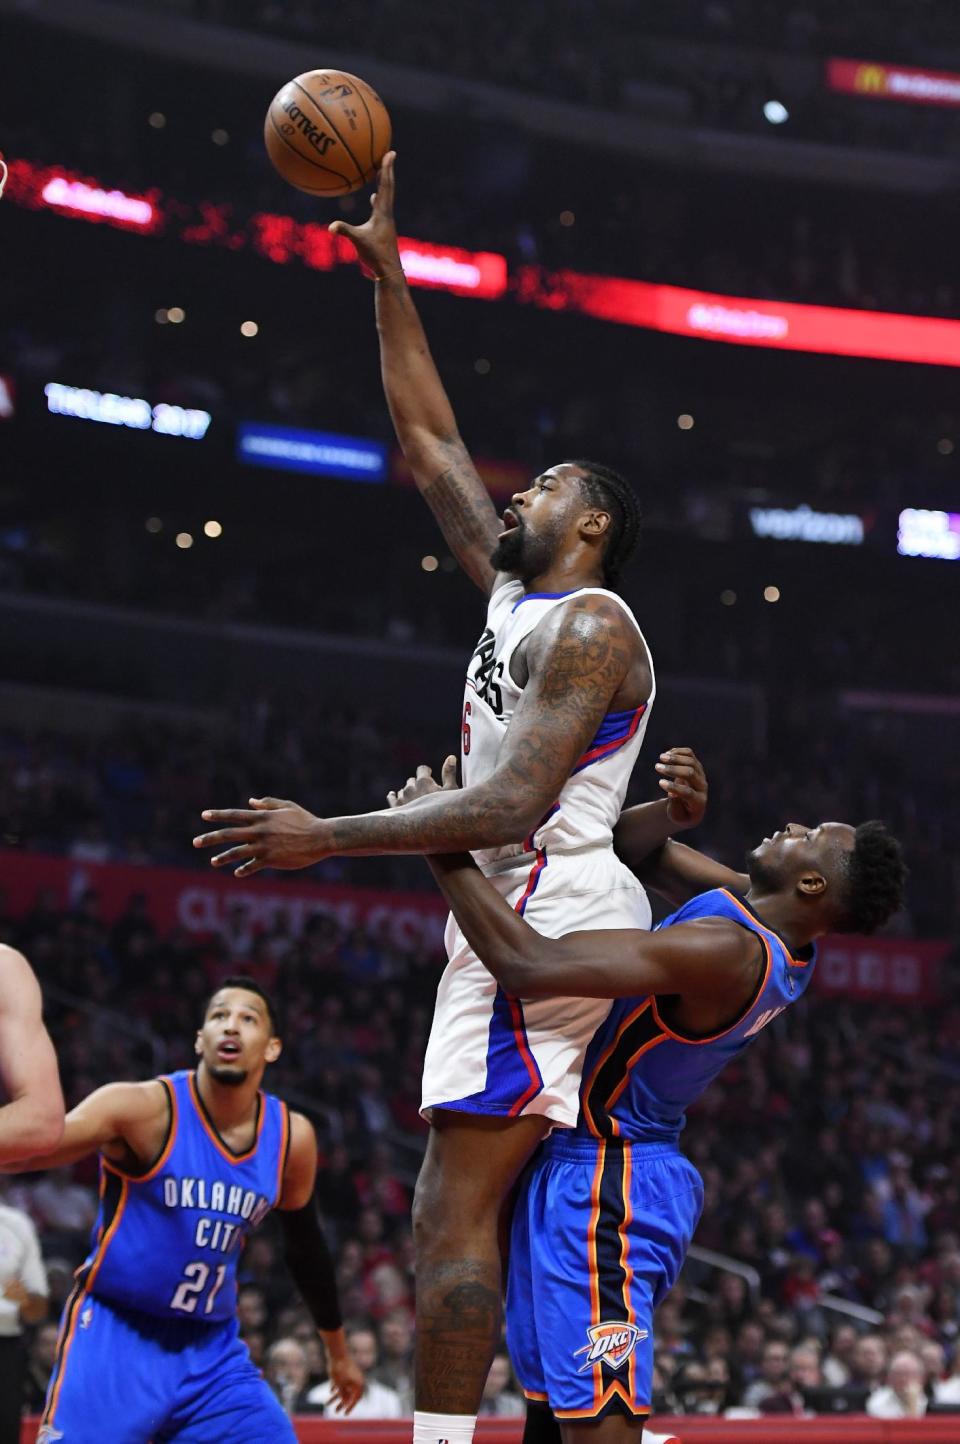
x=600 y=1232
x=127 y=1377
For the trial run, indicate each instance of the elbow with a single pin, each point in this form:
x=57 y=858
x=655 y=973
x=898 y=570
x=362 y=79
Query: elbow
x=520 y=977
x=512 y=820
x=46 y=1132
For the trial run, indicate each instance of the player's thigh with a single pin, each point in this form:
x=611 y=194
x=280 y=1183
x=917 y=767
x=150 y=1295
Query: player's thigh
x=111 y=1380
x=472 y=1162
x=238 y=1410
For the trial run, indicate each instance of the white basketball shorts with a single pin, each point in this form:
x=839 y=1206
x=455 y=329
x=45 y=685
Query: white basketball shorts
x=490 y=1053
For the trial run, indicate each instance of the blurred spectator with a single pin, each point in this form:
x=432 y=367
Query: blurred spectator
x=836 y=1363
x=23 y=1301
x=40 y=1360
x=774 y=1378
x=868 y=1362
x=903 y=1395
x=947 y=1391
x=500 y=1399
x=805 y=1370
x=288 y=1374
x=395 y=1366
x=903 y=1213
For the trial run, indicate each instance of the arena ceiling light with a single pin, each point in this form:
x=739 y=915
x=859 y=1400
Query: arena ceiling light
x=775 y=112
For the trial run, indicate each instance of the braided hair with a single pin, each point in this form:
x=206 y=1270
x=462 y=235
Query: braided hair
x=607 y=490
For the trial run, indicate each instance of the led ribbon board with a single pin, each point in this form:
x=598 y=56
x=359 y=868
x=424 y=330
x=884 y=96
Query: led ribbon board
x=131 y=411
x=679 y=311
x=319 y=453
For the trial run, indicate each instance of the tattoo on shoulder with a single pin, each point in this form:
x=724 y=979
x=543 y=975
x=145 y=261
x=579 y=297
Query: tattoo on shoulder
x=586 y=659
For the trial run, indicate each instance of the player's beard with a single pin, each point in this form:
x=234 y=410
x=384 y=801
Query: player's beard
x=227 y=1075
x=763 y=875
x=520 y=554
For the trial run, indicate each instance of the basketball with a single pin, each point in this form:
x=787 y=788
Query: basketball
x=326 y=132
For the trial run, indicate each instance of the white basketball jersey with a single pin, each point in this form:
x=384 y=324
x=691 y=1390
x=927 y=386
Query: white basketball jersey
x=592 y=797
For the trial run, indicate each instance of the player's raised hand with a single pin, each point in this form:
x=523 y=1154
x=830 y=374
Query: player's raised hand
x=684 y=781
x=376 y=239
x=270 y=833
x=423 y=784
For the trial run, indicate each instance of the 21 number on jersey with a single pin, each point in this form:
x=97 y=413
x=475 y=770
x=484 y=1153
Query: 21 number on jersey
x=192 y=1285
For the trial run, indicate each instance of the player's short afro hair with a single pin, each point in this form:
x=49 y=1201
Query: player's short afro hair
x=874 y=875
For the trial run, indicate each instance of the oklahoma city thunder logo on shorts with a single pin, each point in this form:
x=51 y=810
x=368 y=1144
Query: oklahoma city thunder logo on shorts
x=610 y=1344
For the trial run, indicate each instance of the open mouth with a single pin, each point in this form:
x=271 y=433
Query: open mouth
x=510 y=522
x=228 y=1051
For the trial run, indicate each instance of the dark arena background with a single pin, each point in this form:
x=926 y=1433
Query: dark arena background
x=713 y=243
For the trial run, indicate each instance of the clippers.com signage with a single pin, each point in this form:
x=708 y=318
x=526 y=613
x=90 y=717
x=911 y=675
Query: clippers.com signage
x=200 y=901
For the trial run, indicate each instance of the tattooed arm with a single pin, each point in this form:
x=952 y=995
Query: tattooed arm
x=422 y=415
x=577 y=658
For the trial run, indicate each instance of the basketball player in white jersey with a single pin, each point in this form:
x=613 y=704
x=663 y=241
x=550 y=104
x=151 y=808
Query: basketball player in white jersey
x=558 y=696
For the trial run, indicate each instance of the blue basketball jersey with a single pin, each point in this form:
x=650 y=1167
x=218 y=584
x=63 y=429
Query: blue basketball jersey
x=167 y=1242
x=641 y=1075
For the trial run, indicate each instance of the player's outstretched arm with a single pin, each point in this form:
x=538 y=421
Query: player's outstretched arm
x=577 y=659
x=701 y=957
x=32 y=1121
x=678 y=873
x=127 y=1122
x=310 y=1263
x=422 y=415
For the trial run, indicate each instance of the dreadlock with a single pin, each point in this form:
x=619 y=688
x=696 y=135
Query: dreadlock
x=875 y=874
x=606 y=489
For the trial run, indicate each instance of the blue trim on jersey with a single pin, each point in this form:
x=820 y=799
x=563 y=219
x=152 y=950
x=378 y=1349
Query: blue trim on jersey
x=533 y=881
x=530 y=840
x=513 y=1077
x=543 y=596
x=614 y=732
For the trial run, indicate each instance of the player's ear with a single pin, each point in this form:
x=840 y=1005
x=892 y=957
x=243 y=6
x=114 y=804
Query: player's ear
x=198 y=1043
x=812 y=884
x=273 y=1050
x=595 y=523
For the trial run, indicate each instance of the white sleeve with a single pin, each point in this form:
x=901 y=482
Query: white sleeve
x=32 y=1273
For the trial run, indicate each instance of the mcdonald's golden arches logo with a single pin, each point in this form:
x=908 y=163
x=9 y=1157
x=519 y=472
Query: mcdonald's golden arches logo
x=870 y=79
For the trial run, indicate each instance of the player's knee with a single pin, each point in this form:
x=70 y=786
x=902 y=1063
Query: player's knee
x=446 y=1209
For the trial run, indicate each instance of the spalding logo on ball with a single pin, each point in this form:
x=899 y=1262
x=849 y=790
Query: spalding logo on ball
x=326 y=132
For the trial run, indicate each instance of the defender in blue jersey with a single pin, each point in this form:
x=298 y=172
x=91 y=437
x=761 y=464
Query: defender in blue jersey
x=606 y=1212
x=149 y=1350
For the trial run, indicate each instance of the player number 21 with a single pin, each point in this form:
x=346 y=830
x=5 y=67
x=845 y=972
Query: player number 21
x=194 y=1282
